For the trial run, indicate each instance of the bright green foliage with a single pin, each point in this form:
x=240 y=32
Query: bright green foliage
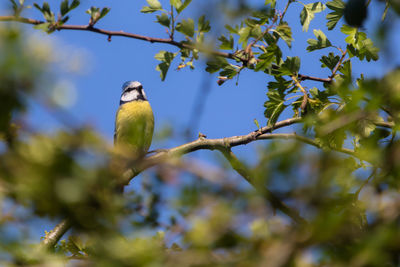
x=284 y=32
x=164 y=20
x=216 y=64
x=47 y=13
x=275 y=104
x=186 y=27
x=308 y=13
x=226 y=44
x=166 y=59
x=291 y=66
x=179 y=6
x=333 y=18
x=320 y=43
x=153 y=5
x=96 y=14
x=359 y=45
x=65 y=7
x=329 y=61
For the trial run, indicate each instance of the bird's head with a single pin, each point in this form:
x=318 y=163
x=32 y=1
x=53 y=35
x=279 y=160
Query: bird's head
x=132 y=91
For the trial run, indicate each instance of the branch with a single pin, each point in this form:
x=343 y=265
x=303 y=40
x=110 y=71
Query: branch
x=121 y=33
x=305 y=95
x=169 y=41
x=276 y=203
x=202 y=143
x=51 y=238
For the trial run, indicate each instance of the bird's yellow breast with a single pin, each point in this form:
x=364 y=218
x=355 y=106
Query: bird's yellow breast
x=134 y=126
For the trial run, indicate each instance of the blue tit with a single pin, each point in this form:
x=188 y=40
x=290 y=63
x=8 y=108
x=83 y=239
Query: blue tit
x=134 y=122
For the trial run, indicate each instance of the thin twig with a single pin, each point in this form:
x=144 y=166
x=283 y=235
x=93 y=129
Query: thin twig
x=305 y=95
x=338 y=64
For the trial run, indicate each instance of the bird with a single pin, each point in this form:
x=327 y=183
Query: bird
x=134 y=122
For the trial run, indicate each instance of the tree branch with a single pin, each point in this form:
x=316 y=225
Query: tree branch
x=169 y=41
x=51 y=238
x=122 y=34
x=276 y=203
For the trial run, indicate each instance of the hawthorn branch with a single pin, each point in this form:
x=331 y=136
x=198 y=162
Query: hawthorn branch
x=51 y=238
x=108 y=33
x=276 y=203
x=169 y=41
x=305 y=95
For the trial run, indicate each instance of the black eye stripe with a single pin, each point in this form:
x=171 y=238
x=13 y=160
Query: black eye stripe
x=134 y=88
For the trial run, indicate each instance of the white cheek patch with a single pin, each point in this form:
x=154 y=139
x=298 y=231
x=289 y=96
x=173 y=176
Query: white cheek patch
x=144 y=94
x=129 y=96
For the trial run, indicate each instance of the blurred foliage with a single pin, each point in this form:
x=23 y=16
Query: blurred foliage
x=187 y=213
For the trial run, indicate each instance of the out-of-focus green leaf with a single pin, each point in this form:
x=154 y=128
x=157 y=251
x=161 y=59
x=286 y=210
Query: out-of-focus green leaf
x=153 y=5
x=225 y=43
x=164 y=20
x=203 y=25
x=244 y=34
x=216 y=64
x=186 y=27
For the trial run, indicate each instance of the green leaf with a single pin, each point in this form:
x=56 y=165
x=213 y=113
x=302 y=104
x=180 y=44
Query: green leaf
x=285 y=32
x=359 y=45
x=166 y=59
x=164 y=20
x=37 y=7
x=338 y=9
x=231 y=29
x=244 y=35
x=43 y=26
x=64 y=7
x=183 y=6
x=14 y=6
x=103 y=12
x=329 y=61
x=272 y=2
x=46 y=8
x=320 y=43
x=308 y=13
x=274 y=106
x=265 y=61
x=186 y=27
x=204 y=25
x=345 y=69
x=229 y=71
x=216 y=64
x=291 y=66
x=154 y=5
x=225 y=43
x=176 y=3
x=352 y=34
x=74 y=4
